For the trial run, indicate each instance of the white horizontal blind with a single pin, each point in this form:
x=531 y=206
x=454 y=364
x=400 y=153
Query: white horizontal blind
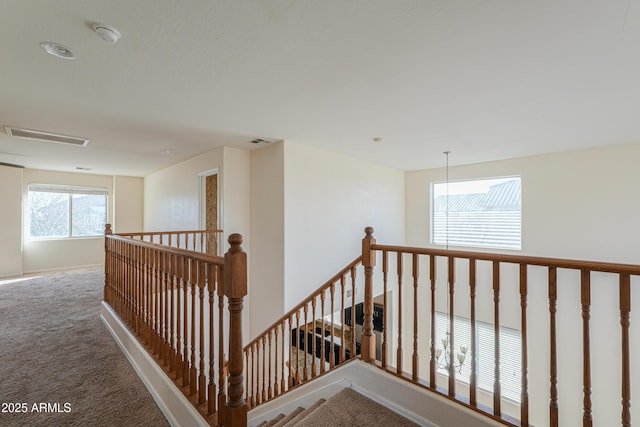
x=477 y=213
x=64 y=189
x=510 y=354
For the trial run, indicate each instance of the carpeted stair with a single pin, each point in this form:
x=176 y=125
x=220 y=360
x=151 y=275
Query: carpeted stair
x=345 y=408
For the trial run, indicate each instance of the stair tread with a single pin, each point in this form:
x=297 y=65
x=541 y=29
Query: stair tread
x=292 y=415
x=306 y=412
x=274 y=421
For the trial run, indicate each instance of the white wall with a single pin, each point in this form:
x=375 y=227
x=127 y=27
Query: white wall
x=577 y=205
x=43 y=255
x=266 y=255
x=329 y=200
x=10 y=221
x=128 y=204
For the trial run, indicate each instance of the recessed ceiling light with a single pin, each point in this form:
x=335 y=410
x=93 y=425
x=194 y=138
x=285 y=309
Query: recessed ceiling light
x=377 y=139
x=166 y=151
x=58 y=50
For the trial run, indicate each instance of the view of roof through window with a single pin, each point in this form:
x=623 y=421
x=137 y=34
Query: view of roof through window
x=479 y=213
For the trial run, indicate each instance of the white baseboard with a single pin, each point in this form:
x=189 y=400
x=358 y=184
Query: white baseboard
x=173 y=404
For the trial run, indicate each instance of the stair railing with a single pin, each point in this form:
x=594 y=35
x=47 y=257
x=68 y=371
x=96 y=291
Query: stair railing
x=174 y=300
x=306 y=342
x=491 y=277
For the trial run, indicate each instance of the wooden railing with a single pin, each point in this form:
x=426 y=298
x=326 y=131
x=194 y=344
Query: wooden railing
x=205 y=241
x=415 y=286
x=176 y=301
x=305 y=342
x=500 y=286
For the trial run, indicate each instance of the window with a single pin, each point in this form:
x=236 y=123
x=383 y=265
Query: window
x=481 y=213
x=510 y=354
x=65 y=212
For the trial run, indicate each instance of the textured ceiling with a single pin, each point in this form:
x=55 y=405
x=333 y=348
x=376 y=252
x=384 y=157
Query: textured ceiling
x=485 y=79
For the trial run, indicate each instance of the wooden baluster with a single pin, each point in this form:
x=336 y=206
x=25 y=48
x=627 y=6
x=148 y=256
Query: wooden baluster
x=202 y=379
x=553 y=379
x=193 y=371
x=452 y=372
x=194 y=242
x=179 y=284
x=322 y=346
x=186 y=368
x=625 y=308
x=235 y=414
x=585 y=298
x=432 y=344
x=368 y=339
x=400 y=315
x=343 y=341
x=254 y=381
x=165 y=310
x=269 y=383
x=524 y=393
x=170 y=286
x=473 y=379
x=265 y=369
x=222 y=363
x=385 y=275
x=284 y=340
x=313 y=338
x=305 y=339
x=248 y=381
x=147 y=297
x=296 y=370
x=332 y=347
x=416 y=357
x=496 y=339
x=292 y=344
x=353 y=313
x=276 y=385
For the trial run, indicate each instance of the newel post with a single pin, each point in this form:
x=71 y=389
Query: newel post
x=107 y=262
x=235 y=289
x=368 y=339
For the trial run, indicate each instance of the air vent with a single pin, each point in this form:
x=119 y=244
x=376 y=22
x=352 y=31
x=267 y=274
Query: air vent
x=46 y=136
x=260 y=141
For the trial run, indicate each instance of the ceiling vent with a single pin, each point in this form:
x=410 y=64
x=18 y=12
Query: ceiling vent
x=46 y=136
x=260 y=141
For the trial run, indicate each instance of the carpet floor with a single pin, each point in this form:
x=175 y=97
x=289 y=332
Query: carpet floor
x=59 y=366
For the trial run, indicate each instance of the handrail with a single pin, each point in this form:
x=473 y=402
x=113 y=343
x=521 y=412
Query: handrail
x=604 y=267
x=196 y=240
x=199 y=256
x=307 y=300
x=291 y=338
x=157 y=233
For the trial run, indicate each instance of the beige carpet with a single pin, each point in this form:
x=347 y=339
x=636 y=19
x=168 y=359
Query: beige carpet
x=349 y=408
x=56 y=354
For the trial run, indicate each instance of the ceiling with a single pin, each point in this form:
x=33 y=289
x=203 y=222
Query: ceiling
x=485 y=79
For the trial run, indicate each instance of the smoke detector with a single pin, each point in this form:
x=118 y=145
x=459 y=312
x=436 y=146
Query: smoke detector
x=107 y=33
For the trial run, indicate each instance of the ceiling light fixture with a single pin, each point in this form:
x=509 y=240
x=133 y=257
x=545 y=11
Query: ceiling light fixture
x=107 y=33
x=377 y=140
x=166 y=151
x=57 y=50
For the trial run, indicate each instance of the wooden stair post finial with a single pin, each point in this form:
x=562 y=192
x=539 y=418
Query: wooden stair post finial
x=235 y=289
x=368 y=339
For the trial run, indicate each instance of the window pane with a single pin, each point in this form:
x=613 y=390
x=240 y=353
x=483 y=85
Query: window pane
x=48 y=214
x=480 y=213
x=89 y=214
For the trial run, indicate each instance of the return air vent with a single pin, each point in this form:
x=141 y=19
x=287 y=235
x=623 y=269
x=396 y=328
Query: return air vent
x=46 y=136
x=260 y=141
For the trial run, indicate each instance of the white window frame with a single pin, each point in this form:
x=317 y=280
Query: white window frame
x=451 y=227
x=70 y=191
